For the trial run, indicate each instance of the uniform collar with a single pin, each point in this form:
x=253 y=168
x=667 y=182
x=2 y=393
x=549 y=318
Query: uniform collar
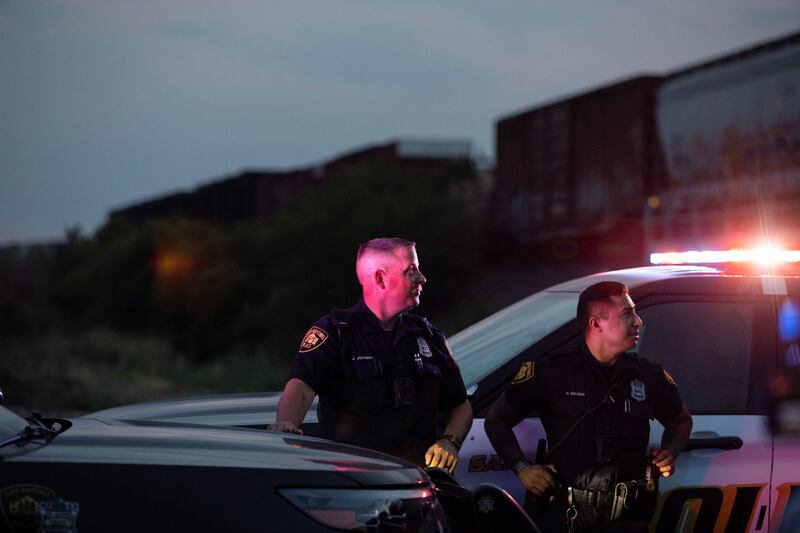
x=626 y=363
x=369 y=323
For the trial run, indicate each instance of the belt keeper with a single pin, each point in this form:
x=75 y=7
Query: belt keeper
x=570 y=499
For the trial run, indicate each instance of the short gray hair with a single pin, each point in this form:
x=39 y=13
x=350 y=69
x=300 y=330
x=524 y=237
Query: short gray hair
x=383 y=245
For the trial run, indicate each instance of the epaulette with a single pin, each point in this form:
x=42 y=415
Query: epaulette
x=340 y=317
x=425 y=323
x=641 y=360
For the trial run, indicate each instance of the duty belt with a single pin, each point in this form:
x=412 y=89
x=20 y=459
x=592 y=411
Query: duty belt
x=612 y=503
x=593 y=498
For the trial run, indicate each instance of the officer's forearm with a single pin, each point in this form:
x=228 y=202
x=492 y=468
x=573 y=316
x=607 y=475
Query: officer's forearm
x=295 y=401
x=499 y=426
x=677 y=432
x=459 y=420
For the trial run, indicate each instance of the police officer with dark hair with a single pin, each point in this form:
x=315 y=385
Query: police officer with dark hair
x=595 y=402
x=383 y=375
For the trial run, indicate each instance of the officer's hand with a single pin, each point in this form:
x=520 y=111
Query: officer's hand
x=443 y=454
x=664 y=460
x=285 y=427
x=538 y=478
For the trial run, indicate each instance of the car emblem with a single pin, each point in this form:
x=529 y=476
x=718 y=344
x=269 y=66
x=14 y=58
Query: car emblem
x=424 y=349
x=486 y=504
x=637 y=390
x=21 y=506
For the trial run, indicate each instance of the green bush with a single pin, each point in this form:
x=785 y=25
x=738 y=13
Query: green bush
x=101 y=368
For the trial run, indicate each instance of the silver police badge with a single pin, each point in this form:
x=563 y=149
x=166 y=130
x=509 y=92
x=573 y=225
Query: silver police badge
x=424 y=349
x=637 y=390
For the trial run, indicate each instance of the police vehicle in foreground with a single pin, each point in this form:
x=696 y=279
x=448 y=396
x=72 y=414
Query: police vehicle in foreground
x=728 y=333
x=98 y=474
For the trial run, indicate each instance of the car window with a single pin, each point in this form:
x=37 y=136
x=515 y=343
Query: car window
x=10 y=423
x=706 y=346
x=486 y=345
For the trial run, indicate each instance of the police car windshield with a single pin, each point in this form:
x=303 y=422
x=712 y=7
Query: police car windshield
x=10 y=423
x=483 y=347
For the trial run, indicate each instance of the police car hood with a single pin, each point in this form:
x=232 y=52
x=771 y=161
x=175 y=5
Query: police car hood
x=99 y=441
x=243 y=410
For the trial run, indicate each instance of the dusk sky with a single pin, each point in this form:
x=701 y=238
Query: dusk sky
x=107 y=102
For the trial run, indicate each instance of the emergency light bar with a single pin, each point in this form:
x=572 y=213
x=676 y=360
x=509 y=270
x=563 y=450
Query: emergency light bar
x=764 y=256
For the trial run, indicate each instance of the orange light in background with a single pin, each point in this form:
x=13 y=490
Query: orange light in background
x=173 y=264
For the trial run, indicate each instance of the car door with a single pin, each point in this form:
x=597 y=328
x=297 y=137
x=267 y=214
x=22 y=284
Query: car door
x=785 y=516
x=720 y=350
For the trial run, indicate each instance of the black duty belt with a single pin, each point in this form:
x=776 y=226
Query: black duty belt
x=593 y=498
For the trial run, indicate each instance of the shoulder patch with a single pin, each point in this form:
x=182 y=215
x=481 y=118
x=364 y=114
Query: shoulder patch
x=525 y=373
x=669 y=378
x=313 y=339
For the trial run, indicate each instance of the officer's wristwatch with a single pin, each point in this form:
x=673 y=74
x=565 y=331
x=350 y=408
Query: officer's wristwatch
x=519 y=465
x=453 y=440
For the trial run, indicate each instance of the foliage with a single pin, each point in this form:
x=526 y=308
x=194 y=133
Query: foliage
x=177 y=304
x=101 y=368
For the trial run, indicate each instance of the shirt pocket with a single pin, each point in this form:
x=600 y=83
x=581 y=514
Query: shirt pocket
x=566 y=413
x=636 y=423
x=367 y=392
x=366 y=367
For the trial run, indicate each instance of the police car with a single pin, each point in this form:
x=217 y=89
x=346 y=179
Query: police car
x=728 y=333
x=98 y=474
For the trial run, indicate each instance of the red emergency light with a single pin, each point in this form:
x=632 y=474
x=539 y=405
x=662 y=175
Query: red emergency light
x=765 y=256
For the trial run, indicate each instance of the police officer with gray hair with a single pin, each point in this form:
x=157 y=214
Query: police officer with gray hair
x=383 y=375
x=595 y=402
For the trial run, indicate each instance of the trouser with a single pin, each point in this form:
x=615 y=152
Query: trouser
x=555 y=519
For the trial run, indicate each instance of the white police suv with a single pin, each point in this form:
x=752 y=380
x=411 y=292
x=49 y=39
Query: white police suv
x=730 y=338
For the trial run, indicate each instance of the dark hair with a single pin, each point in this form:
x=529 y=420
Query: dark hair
x=597 y=293
x=384 y=245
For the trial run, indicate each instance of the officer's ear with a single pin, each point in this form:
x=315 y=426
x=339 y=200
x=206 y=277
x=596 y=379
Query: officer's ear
x=379 y=281
x=594 y=323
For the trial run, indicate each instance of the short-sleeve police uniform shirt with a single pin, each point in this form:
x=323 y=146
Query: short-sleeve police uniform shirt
x=563 y=387
x=353 y=369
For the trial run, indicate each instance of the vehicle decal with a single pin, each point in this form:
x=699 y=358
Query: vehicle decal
x=58 y=516
x=21 y=506
x=486 y=463
x=788 y=498
x=313 y=339
x=729 y=508
x=525 y=372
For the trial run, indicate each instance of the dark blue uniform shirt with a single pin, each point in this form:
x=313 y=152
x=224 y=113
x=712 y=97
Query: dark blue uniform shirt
x=379 y=389
x=564 y=386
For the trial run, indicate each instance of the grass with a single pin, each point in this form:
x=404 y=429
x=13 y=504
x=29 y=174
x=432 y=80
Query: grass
x=102 y=368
